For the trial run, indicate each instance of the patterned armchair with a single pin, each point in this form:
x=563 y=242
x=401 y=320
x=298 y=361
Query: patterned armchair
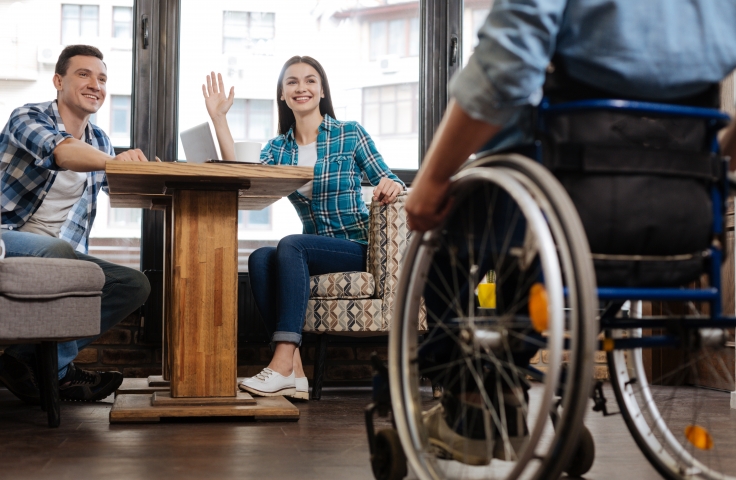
x=361 y=303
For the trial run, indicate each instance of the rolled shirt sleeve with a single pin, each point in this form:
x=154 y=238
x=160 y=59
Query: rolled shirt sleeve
x=35 y=132
x=506 y=72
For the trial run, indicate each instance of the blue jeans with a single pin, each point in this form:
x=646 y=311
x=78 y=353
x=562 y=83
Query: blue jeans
x=124 y=291
x=279 y=277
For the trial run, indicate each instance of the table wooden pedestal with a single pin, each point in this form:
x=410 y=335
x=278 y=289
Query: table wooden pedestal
x=201 y=282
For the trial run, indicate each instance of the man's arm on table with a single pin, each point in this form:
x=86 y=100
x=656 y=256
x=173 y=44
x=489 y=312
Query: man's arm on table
x=78 y=156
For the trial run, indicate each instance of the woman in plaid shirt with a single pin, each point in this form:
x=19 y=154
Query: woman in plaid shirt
x=331 y=208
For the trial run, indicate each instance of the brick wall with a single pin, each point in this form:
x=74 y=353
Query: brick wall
x=120 y=349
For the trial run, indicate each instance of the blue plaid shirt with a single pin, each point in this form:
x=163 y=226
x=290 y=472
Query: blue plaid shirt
x=344 y=152
x=28 y=170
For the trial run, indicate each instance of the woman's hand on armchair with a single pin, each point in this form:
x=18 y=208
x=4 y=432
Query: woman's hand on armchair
x=386 y=191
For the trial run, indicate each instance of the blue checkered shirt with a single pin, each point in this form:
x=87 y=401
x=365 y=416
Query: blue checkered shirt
x=344 y=152
x=28 y=170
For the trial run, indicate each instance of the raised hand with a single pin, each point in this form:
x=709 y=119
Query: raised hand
x=215 y=100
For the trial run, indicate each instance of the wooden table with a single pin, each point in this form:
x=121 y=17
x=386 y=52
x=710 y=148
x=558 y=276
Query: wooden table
x=201 y=202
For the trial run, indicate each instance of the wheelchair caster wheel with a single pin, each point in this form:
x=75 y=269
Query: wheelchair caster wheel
x=584 y=455
x=388 y=460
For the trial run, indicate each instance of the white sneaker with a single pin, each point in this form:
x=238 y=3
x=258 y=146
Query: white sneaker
x=269 y=383
x=302 y=388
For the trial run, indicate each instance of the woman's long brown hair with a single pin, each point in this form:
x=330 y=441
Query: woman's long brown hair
x=286 y=116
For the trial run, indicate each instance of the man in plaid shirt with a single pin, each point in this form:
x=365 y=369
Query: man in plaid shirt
x=52 y=167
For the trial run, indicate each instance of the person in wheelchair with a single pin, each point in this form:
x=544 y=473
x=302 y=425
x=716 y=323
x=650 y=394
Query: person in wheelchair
x=670 y=51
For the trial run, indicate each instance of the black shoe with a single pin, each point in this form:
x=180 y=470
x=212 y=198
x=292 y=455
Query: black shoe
x=20 y=379
x=84 y=386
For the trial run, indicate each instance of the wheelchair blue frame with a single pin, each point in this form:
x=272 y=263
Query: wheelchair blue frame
x=715 y=120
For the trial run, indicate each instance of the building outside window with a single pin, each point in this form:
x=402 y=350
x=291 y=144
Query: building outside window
x=124 y=218
x=122 y=22
x=248 y=32
x=79 y=22
x=251 y=119
x=120 y=116
x=399 y=37
x=258 y=219
x=391 y=109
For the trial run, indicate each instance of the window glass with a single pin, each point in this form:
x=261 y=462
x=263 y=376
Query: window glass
x=32 y=35
x=120 y=121
x=364 y=47
x=392 y=109
x=79 y=23
x=474 y=17
x=397 y=34
x=248 y=32
x=122 y=26
x=378 y=39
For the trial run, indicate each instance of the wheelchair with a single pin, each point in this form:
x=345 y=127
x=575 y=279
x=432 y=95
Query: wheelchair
x=617 y=178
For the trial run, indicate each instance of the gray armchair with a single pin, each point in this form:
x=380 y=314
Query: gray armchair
x=45 y=301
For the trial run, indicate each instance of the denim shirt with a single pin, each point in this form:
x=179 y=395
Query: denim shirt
x=28 y=170
x=344 y=152
x=656 y=49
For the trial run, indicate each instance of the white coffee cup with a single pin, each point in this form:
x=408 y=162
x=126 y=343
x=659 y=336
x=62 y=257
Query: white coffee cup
x=248 y=152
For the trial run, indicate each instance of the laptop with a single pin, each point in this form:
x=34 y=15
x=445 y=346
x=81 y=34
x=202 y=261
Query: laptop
x=198 y=144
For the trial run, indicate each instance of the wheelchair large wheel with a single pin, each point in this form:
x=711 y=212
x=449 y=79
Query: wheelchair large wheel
x=509 y=215
x=665 y=410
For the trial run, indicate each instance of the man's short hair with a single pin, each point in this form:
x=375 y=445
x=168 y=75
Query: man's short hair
x=62 y=64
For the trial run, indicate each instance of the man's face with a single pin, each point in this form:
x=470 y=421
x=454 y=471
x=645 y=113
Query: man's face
x=84 y=86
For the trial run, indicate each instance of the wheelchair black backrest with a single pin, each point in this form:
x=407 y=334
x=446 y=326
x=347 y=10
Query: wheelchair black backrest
x=641 y=182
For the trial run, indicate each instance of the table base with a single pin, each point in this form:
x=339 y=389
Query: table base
x=137 y=408
x=164 y=399
x=158 y=381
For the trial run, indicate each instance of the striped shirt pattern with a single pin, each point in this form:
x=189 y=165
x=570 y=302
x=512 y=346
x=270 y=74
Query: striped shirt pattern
x=344 y=152
x=28 y=170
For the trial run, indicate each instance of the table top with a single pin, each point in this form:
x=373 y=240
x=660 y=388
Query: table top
x=146 y=185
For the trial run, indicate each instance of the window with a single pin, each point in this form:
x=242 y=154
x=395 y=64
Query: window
x=474 y=16
x=124 y=218
x=248 y=50
x=120 y=116
x=251 y=119
x=122 y=22
x=79 y=22
x=391 y=109
x=398 y=37
x=248 y=32
x=258 y=219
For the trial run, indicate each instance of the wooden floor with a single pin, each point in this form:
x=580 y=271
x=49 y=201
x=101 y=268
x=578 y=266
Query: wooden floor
x=328 y=442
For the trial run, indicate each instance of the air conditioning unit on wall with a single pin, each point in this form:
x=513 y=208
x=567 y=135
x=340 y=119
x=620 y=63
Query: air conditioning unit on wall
x=388 y=63
x=49 y=54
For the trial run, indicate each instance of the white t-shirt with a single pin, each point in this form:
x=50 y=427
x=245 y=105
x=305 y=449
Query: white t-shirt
x=307 y=158
x=61 y=197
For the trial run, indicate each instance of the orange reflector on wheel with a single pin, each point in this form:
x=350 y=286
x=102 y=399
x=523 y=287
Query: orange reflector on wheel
x=699 y=437
x=538 y=307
